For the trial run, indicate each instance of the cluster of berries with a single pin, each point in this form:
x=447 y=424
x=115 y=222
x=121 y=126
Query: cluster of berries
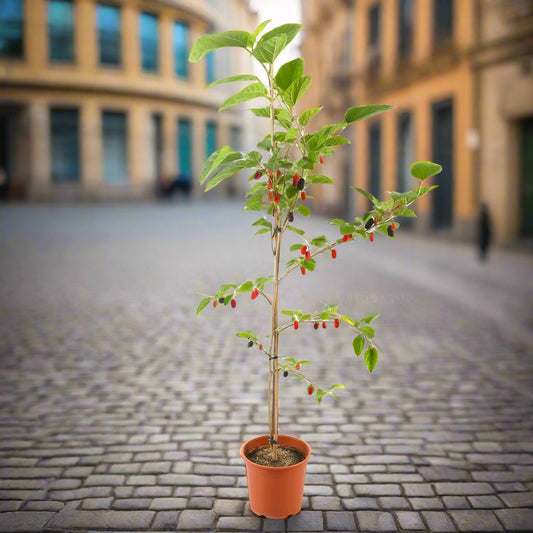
x=390 y=230
x=316 y=325
x=233 y=302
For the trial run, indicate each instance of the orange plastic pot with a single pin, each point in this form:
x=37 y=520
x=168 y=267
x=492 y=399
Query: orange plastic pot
x=275 y=491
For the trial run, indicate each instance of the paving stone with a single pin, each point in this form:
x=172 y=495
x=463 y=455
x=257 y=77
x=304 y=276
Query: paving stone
x=443 y=473
x=485 y=502
x=182 y=479
x=270 y=524
x=156 y=467
x=130 y=504
x=318 y=490
x=418 y=489
x=455 y=502
x=102 y=519
x=306 y=521
x=150 y=491
x=239 y=523
x=200 y=502
x=377 y=490
x=124 y=492
x=10 y=505
x=396 y=478
x=23 y=472
x=410 y=520
x=101 y=480
x=516 y=519
x=228 y=507
x=420 y=504
x=394 y=502
x=44 y=505
x=475 y=520
x=340 y=521
x=171 y=504
x=96 y=503
x=165 y=520
x=324 y=503
x=375 y=521
x=192 y=519
x=463 y=489
x=141 y=480
x=22 y=494
x=438 y=522
x=360 y=504
x=517 y=499
x=64 y=483
x=25 y=521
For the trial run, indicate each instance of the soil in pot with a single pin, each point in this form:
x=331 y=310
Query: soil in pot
x=287 y=456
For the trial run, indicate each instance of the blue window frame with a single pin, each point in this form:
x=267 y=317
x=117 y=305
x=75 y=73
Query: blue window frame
x=108 y=26
x=115 y=140
x=210 y=138
x=185 y=147
x=64 y=145
x=442 y=21
x=210 y=67
x=181 y=49
x=374 y=158
x=11 y=28
x=149 y=34
x=405 y=28
x=61 y=31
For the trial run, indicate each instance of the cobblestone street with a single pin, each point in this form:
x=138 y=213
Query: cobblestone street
x=121 y=410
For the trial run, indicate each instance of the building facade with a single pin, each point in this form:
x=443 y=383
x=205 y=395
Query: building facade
x=458 y=74
x=98 y=100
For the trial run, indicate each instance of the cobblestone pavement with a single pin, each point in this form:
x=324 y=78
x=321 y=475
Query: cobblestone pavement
x=120 y=410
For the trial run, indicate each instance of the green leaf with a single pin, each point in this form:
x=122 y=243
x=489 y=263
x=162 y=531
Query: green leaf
x=248 y=335
x=262 y=222
x=369 y=319
x=261 y=231
x=309 y=265
x=226 y=172
x=368 y=331
x=405 y=212
x=366 y=194
x=254 y=203
x=295 y=247
x=371 y=358
x=264 y=144
x=304 y=210
x=215 y=160
x=346 y=229
x=337 y=140
x=230 y=79
x=358 y=344
x=209 y=42
x=246 y=286
x=289 y=31
x=299 y=231
x=308 y=114
x=319 y=241
x=202 y=305
x=422 y=170
x=424 y=190
x=289 y=72
x=337 y=386
x=364 y=111
x=260 y=28
x=267 y=50
x=296 y=90
x=319 y=178
x=254 y=90
x=261 y=111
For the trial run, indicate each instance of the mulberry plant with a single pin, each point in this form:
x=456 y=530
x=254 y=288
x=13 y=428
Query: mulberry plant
x=282 y=172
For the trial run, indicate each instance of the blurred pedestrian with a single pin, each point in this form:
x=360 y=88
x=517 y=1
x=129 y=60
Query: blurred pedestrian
x=484 y=232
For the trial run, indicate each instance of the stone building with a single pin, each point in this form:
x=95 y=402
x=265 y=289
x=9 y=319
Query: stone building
x=459 y=74
x=98 y=101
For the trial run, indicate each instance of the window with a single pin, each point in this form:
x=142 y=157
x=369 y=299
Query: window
x=115 y=147
x=64 y=144
x=236 y=138
x=210 y=67
x=181 y=49
x=149 y=26
x=11 y=28
x=405 y=154
x=108 y=25
x=374 y=158
x=185 y=147
x=405 y=28
x=374 y=40
x=442 y=21
x=61 y=31
x=210 y=138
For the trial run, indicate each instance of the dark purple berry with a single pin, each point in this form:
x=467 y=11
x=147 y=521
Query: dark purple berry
x=369 y=223
x=250 y=344
x=301 y=184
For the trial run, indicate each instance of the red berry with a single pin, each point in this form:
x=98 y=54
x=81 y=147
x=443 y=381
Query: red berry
x=303 y=249
x=310 y=390
x=233 y=303
x=296 y=324
x=297 y=366
x=337 y=322
x=393 y=226
x=255 y=293
x=277 y=198
x=214 y=303
x=278 y=173
x=334 y=254
x=258 y=174
x=321 y=159
x=302 y=270
x=295 y=179
x=307 y=255
x=270 y=196
x=269 y=185
x=304 y=196
x=315 y=325
x=371 y=237
x=260 y=346
x=324 y=325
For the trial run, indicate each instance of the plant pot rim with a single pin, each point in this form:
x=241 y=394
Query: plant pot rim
x=305 y=448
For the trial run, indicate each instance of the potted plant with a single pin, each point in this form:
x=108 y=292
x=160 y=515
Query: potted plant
x=282 y=172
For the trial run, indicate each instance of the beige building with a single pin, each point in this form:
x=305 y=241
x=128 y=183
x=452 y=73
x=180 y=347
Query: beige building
x=98 y=101
x=459 y=74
